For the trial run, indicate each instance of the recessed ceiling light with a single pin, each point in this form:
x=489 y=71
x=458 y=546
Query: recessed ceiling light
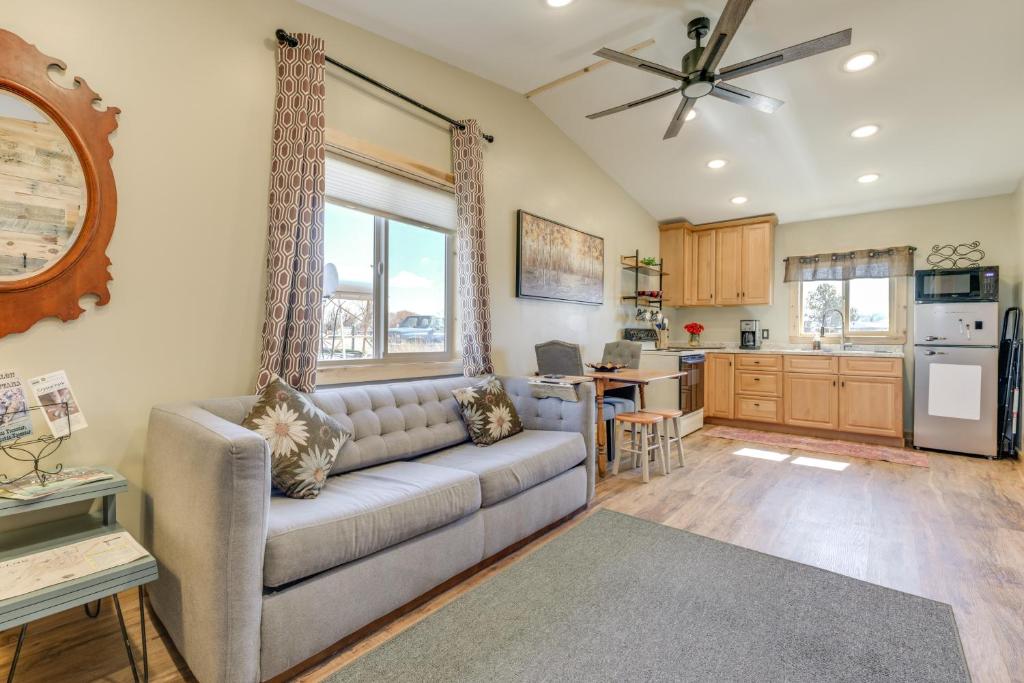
x=717 y=163
x=864 y=131
x=558 y=3
x=738 y=200
x=868 y=178
x=691 y=115
x=860 y=61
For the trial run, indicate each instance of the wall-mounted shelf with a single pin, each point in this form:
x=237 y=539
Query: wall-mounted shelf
x=632 y=264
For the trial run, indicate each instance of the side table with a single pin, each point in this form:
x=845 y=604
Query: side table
x=20 y=610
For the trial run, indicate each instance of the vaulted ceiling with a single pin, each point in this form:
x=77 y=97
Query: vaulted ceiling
x=947 y=91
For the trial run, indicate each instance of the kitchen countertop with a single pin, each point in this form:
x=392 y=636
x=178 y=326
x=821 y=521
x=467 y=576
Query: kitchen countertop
x=882 y=351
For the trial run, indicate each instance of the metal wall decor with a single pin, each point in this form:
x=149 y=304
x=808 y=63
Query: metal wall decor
x=962 y=255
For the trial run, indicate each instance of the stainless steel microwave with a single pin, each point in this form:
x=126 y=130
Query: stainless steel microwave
x=980 y=283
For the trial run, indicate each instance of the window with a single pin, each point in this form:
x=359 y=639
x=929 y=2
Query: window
x=388 y=281
x=865 y=309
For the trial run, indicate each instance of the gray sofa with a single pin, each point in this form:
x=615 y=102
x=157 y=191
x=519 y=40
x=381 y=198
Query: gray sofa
x=253 y=583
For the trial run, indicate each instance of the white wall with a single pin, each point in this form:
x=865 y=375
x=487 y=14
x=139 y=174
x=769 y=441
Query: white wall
x=195 y=82
x=989 y=220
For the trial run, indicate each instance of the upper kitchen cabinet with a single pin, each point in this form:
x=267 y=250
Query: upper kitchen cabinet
x=729 y=263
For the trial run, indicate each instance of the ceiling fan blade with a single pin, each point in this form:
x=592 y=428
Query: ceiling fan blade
x=634 y=103
x=679 y=118
x=730 y=93
x=724 y=31
x=789 y=54
x=642 y=64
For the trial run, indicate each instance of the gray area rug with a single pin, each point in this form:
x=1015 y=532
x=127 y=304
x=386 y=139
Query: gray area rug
x=621 y=599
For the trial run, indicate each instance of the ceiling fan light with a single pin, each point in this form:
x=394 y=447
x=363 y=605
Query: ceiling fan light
x=717 y=163
x=868 y=178
x=690 y=115
x=738 y=200
x=860 y=61
x=558 y=3
x=864 y=131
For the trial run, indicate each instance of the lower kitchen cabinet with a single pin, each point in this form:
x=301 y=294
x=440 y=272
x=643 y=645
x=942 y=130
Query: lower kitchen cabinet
x=759 y=409
x=719 y=385
x=811 y=400
x=871 y=405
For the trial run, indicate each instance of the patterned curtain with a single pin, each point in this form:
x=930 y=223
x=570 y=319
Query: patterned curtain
x=851 y=265
x=474 y=291
x=295 y=240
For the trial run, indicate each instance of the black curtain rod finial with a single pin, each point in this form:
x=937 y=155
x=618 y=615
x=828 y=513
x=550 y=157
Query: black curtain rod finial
x=286 y=38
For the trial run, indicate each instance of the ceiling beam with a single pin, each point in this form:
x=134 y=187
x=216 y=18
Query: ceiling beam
x=585 y=70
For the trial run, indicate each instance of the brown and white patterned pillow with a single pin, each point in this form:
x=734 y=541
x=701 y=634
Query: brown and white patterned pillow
x=304 y=440
x=488 y=412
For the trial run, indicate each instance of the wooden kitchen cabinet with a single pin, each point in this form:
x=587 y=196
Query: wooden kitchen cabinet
x=728 y=263
x=719 y=385
x=758 y=383
x=871 y=405
x=757 y=262
x=673 y=264
x=811 y=400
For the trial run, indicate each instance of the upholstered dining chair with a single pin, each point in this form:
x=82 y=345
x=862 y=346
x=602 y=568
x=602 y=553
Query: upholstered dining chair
x=623 y=353
x=563 y=358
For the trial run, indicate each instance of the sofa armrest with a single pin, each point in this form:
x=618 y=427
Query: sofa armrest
x=207 y=500
x=554 y=414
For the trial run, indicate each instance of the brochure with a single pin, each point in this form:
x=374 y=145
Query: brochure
x=29 y=488
x=53 y=392
x=50 y=567
x=15 y=419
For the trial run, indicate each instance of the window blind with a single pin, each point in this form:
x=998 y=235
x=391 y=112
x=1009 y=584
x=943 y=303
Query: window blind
x=372 y=189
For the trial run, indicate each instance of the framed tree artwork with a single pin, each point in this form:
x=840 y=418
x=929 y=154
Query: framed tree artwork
x=558 y=263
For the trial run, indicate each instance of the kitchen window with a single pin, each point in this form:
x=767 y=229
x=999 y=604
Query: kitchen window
x=870 y=310
x=388 y=270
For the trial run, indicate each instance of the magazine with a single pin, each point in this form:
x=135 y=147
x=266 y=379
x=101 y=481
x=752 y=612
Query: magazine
x=15 y=419
x=29 y=488
x=53 y=391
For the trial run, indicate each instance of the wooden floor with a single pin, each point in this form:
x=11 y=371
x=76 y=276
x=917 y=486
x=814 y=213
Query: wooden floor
x=953 y=532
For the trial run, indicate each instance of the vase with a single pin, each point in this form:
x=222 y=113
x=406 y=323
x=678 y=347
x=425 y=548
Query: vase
x=694 y=339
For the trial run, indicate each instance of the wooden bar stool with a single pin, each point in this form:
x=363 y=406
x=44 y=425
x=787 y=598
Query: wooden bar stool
x=674 y=418
x=650 y=440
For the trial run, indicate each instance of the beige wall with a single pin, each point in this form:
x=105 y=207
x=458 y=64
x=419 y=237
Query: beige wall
x=989 y=220
x=195 y=82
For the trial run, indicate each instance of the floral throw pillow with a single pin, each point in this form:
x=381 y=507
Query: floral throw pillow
x=304 y=440
x=488 y=412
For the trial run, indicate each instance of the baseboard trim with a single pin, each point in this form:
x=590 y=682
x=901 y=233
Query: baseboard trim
x=391 y=617
x=895 y=441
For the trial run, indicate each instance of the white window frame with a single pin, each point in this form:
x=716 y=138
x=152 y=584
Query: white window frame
x=401 y=365
x=896 y=334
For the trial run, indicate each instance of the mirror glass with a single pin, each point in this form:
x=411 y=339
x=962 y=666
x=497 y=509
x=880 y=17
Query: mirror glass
x=42 y=190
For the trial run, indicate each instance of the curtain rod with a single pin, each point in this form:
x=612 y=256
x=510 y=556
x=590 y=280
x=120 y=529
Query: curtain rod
x=291 y=41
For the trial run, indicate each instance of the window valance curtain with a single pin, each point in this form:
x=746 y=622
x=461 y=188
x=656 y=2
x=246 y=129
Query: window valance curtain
x=850 y=265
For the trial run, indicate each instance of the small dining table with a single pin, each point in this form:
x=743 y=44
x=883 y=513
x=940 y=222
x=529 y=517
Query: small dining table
x=612 y=380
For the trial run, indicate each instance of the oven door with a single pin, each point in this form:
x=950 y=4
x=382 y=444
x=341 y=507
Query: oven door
x=691 y=384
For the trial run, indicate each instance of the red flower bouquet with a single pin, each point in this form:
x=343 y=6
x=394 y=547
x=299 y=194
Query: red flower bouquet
x=694 y=329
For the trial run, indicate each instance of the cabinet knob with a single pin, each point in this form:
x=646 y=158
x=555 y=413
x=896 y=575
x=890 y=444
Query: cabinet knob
x=757 y=405
x=757 y=379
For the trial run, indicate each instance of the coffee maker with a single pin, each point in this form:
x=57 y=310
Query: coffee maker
x=750 y=334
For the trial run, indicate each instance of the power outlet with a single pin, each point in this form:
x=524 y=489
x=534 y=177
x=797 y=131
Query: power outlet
x=764 y=333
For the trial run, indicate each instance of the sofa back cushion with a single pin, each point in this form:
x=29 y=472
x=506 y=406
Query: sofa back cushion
x=387 y=421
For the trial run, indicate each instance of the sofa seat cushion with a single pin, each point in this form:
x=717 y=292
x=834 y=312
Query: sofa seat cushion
x=514 y=464
x=361 y=512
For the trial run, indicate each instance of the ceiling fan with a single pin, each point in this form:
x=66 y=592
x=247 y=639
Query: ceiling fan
x=698 y=76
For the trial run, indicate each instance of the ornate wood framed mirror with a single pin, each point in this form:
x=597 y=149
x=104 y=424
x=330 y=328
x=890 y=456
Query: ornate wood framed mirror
x=58 y=201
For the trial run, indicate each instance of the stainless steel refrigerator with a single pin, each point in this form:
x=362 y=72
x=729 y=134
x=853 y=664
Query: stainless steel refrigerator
x=956 y=376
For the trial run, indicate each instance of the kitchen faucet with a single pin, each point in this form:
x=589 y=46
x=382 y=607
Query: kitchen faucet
x=843 y=345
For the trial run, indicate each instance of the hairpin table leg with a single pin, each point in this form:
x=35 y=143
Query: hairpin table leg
x=89 y=613
x=128 y=643
x=17 y=652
